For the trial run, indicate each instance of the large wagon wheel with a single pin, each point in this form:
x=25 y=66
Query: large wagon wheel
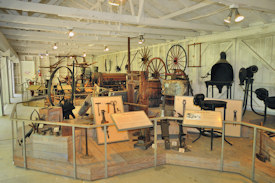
x=144 y=57
x=156 y=69
x=176 y=58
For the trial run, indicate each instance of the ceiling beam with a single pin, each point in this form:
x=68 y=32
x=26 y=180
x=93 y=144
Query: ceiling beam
x=85 y=31
x=91 y=26
x=188 y=9
x=132 y=7
x=64 y=36
x=104 y=16
x=261 y=5
x=140 y=11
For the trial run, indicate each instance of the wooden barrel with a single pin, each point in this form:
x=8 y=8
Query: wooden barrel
x=154 y=92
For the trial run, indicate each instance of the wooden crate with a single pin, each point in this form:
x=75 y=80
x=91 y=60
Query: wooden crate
x=51 y=114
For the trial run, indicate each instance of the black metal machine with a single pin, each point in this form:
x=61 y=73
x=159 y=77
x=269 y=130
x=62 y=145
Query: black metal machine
x=246 y=77
x=210 y=105
x=269 y=102
x=221 y=75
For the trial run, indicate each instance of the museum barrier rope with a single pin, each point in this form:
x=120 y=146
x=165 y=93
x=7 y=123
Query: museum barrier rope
x=13 y=118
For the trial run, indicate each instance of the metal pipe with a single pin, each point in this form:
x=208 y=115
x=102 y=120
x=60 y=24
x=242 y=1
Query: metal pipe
x=12 y=139
x=129 y=55
x=222 y=150
x=105 y=152
x=24 y=145
x=253 y=154
x=155 y=142
x=74 y=153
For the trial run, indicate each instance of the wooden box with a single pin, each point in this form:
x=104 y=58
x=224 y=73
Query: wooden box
x=51 y=114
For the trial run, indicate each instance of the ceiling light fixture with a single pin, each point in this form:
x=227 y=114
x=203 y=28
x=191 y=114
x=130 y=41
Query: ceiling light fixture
x=47 y=54
x=71 y=33
x=106 y=48
x=114 y=2
x=238 y=17
x=55 y=46
x=141 y=39
x=84 y=54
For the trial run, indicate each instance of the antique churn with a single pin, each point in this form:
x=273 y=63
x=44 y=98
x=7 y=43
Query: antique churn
x=154 y=92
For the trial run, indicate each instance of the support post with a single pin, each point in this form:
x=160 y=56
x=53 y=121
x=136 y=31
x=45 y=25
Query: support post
x=24 y=145
x=74 y=152
x=105 y=151
x=222 y=150
x=12 y=139
x=253 y=154
x=129 y=55
x=155 y=143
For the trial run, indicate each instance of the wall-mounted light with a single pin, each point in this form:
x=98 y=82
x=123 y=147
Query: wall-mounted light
x=41 y=56
x=106 y=48
x=238 y=17
x=141 y=39
x=47 y=54
x=84 y=54
x=55 y=46
x=71 y=33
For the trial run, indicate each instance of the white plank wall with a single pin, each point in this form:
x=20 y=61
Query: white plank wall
x=241 y=52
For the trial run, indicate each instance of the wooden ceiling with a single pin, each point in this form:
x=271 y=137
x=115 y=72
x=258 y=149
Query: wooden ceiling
x=34 y=26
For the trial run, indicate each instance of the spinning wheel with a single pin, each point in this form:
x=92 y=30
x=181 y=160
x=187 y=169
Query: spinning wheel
x=156 y=69
x=144 y=57
x=50 y=88
x=176 y=58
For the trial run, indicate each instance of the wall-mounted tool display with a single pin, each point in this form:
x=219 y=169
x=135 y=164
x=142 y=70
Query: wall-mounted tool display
x=102 y=108
x=118 y=68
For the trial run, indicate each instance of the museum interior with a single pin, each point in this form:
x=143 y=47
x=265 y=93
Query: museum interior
x=137 y=91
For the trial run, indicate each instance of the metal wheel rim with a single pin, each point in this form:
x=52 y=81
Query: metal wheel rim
x=176 y=58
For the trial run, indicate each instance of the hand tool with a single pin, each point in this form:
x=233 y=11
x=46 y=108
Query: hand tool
x=103 y=121
x=235 y=116
x=98 y=108
x=114 y=105
x=108 y=106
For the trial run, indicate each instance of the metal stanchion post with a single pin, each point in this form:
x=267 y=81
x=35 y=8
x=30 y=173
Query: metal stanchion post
x=12 y=140
x=105 y=154
x=74 y=153
x=222 y=150
x=24 y=145
x=155 y=143
x=253 y=154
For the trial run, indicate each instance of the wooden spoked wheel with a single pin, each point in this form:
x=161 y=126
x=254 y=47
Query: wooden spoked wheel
x=156 y=69
x=144 y=58
x=176 y=58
